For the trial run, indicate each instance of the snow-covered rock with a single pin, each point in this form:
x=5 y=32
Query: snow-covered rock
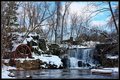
x=23 y=59
x=114 y=69
x=52 y=59
x=29 y=39
x=106 y=70
x=5 y=60
x=112 y=57
x=90 y=43
x=102 y=70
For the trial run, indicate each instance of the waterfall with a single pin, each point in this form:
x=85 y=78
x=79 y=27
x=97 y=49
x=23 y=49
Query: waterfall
x=81 y=57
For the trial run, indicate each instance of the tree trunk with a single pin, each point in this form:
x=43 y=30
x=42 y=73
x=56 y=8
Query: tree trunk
x=113 y=18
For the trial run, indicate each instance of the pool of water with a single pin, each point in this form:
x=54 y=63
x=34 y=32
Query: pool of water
x=63 y=74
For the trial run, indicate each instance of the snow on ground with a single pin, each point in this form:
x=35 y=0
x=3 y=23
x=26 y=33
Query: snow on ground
x=52 y=59
x=5 y=71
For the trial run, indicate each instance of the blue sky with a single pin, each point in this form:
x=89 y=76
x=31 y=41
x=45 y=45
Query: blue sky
x=78 y=7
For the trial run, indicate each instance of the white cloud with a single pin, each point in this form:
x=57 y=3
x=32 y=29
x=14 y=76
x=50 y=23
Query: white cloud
x=98 y=23
x=80 y=7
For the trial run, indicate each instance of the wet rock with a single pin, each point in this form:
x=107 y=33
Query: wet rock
x=55 y=49
x=79 y=63
x=42 y=44
x=35 y=37
x=66 y=62
x=100 y=54
x=82 y=64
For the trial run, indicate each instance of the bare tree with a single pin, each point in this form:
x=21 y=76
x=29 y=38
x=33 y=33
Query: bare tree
x=38 y=16
x=67 y=4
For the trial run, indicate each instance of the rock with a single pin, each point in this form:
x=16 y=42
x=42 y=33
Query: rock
x=28 y=77
x=11 y=74
x=102 y=50
x=79 y=63
x=55 y=49
x=18 y=64
x=66 y=62
x=12 y=62
x=42 y=44
x=88 y=65
x=35 y=37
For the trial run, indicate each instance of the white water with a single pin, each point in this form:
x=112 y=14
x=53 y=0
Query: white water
x=85 y=55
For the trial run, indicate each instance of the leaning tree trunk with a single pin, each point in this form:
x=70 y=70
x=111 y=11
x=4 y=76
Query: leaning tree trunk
x=113 y=18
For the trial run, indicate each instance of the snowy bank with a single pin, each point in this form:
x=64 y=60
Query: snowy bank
x=52 y=59
x=5 y=71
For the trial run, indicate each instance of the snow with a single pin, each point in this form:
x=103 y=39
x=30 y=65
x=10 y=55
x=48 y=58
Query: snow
x=11 y=68
x=90 y=43
x=77 y=46
x=87 y=44
x=5 y=71
x=35 y=47
x=112 y=57
x=15 y=45
x=35 y=41
x=115 y=69
x=52 y=59
x=106 y=70
x=47 y=47
x=29 y=39
x=32 y=34
x=5 y=60
x=40 y=50
x=102 y=70
x=5 y=74
x=25 y=41
x=22 y=59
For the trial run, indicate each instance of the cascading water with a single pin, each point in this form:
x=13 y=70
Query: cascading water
x=81 y=57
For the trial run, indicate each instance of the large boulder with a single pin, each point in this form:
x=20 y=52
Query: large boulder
x=66 y=62
x=42 y=44
x=55 y=49
x=100 y=54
